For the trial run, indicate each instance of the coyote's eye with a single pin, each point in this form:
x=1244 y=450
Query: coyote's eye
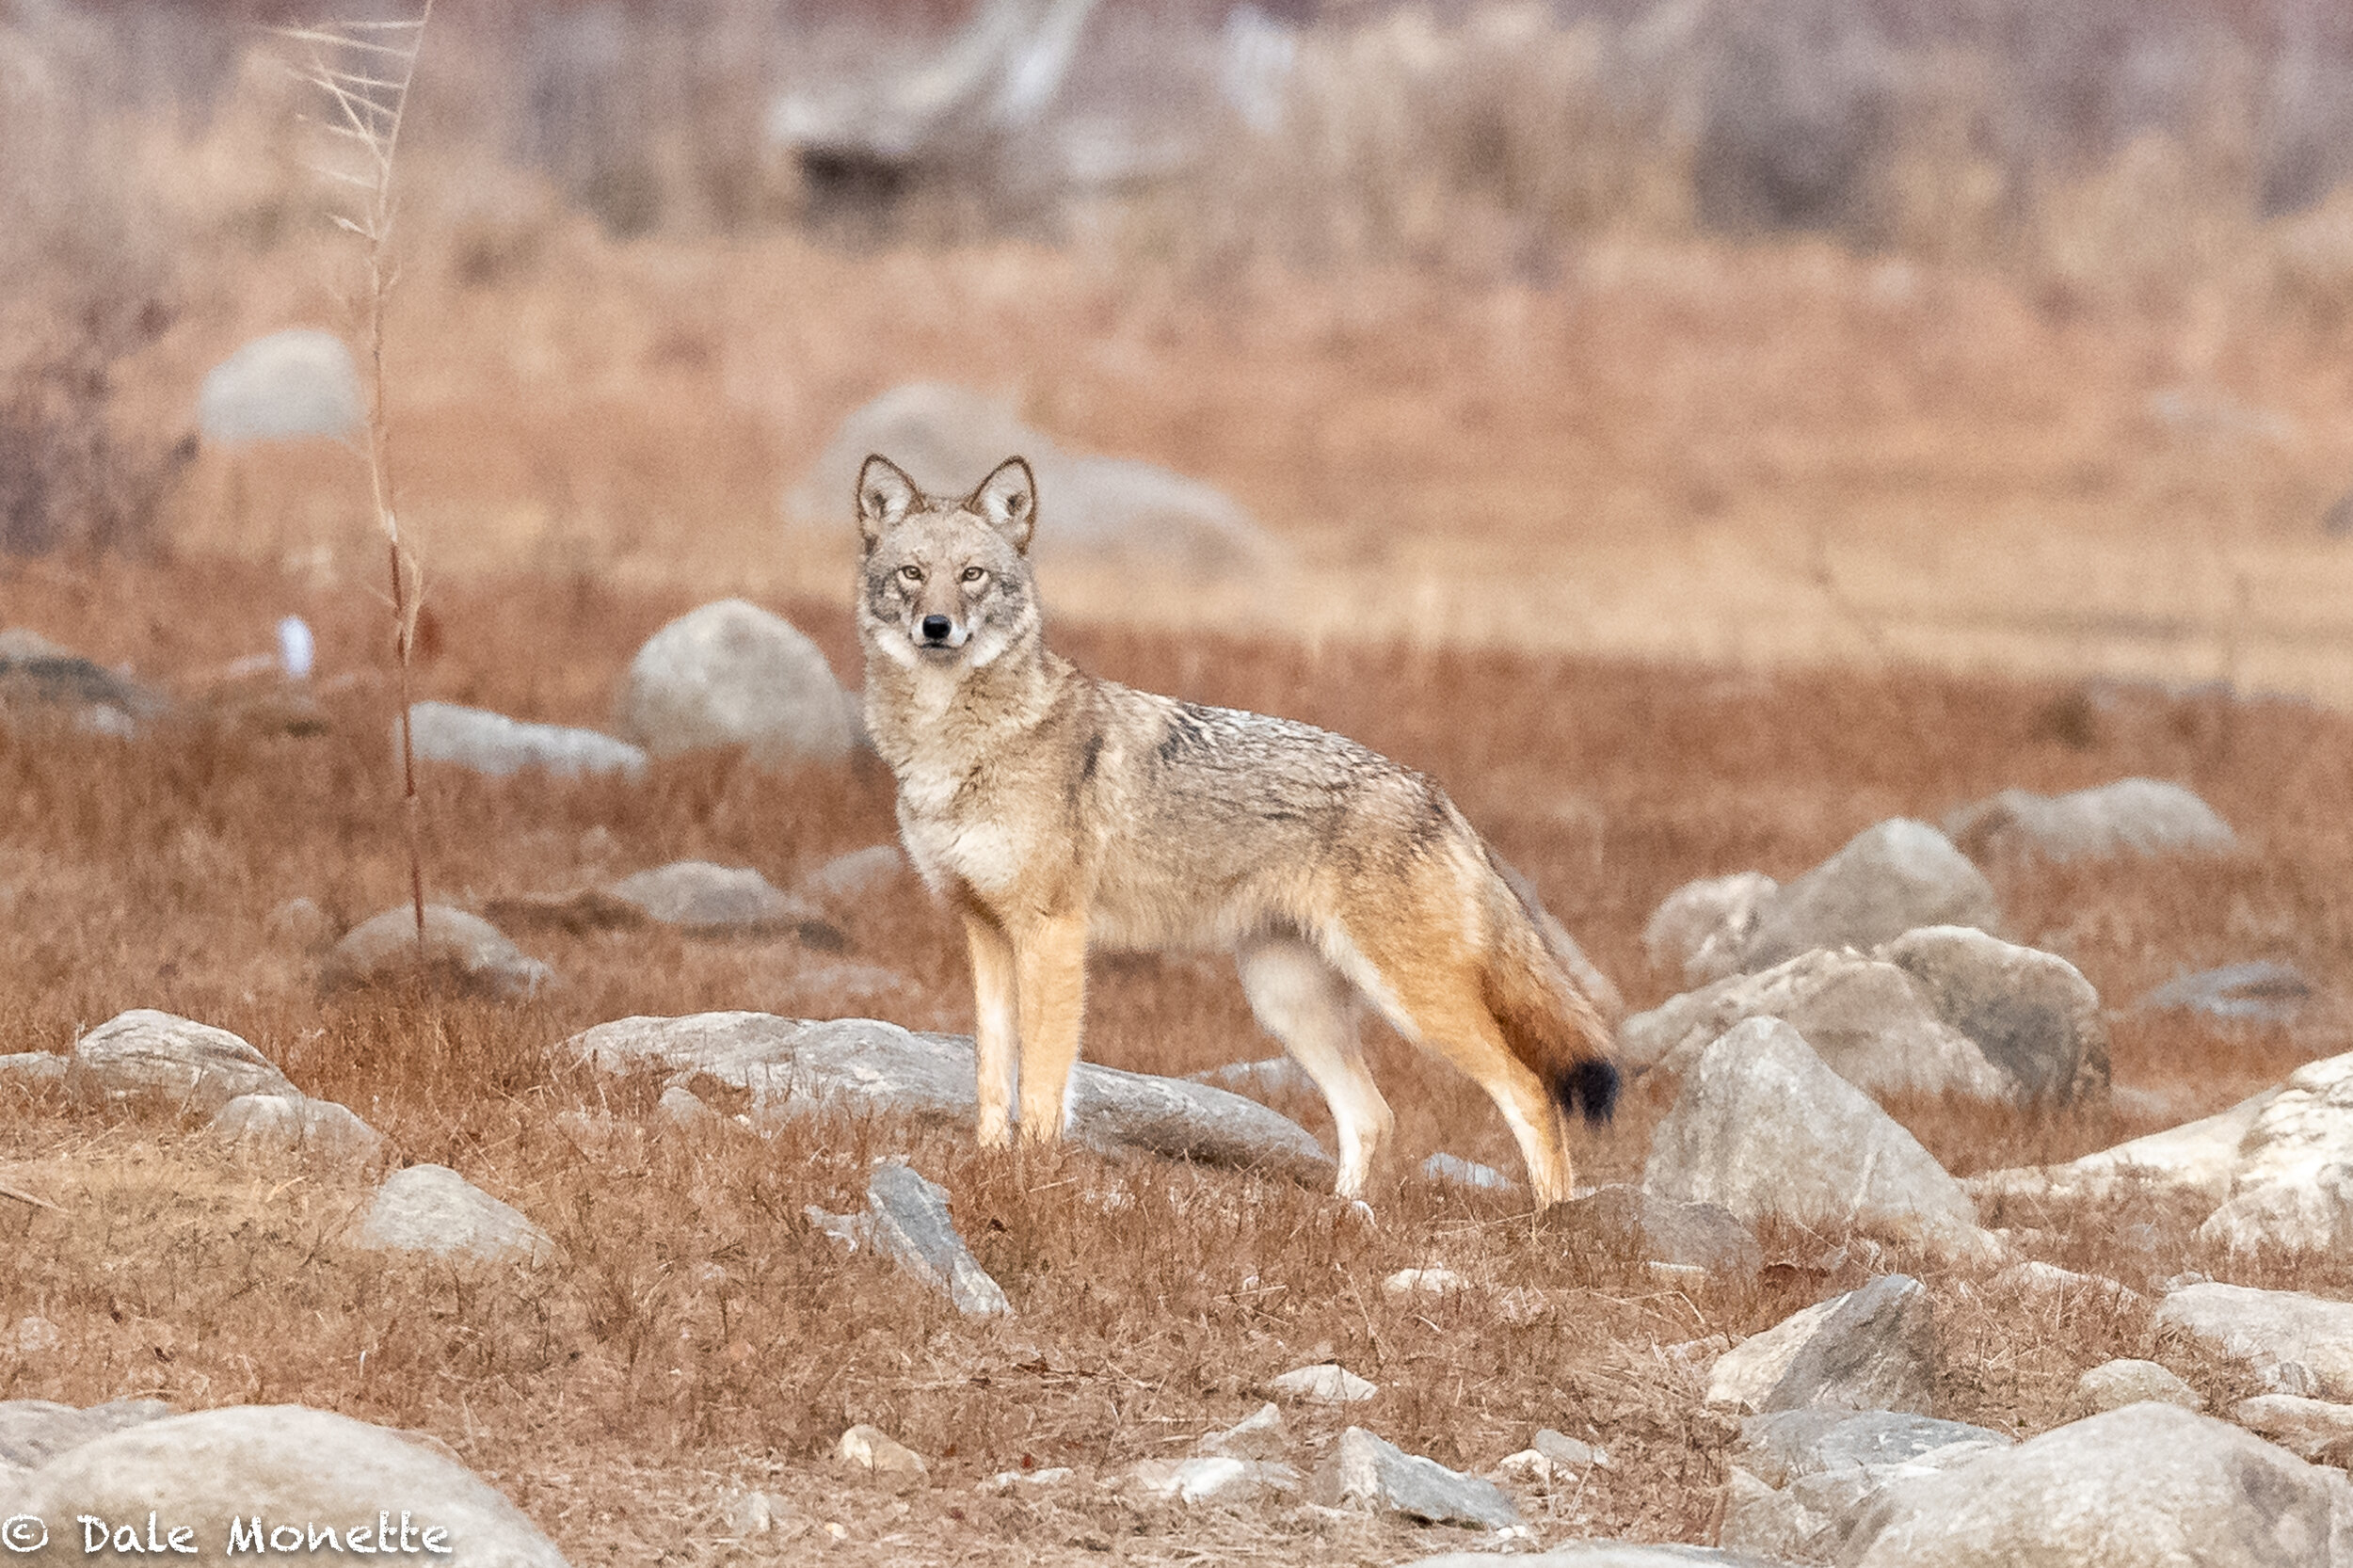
x=973 y=574
x=913 y=574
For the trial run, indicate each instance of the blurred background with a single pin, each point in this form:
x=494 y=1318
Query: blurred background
x=2009 y=334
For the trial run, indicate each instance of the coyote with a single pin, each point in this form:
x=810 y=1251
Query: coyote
x=1054 y=811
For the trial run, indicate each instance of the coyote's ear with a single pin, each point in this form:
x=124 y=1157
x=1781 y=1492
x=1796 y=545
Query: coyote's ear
x=1008 y=499
x=885 y=494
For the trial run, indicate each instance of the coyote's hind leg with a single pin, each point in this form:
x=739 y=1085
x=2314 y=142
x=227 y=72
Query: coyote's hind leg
x=1305 y=1004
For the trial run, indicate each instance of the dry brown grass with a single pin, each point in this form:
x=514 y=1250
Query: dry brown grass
x=693 y=1334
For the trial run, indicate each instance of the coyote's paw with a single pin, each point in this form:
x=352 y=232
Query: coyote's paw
x=995 y=1131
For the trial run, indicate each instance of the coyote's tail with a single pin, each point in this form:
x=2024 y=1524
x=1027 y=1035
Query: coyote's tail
x=1548 y=1023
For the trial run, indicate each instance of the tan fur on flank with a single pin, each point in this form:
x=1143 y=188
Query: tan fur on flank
x=1057 y=811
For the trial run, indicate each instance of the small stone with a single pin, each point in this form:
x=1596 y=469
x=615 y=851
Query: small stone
x=854 y=879
x=2258 y=992
x=1373 y=1475
x=283 y=386
x=497 y=746
x=680 y=1109
x=1699 y=931
x=1872 y=1348
x=707 y=900
x=2036 y=1278
x=1700 y=1236
x=1214 y=1479
x=910 y=1223
x=750 y=1514
x=1893 y=878
x=1466 y=1172
x=2114 y=1384
x=731 y=674
x=434 y=1210
x=1012 y=1480
x=33 y=1335
x=462 y=951
x=869 y=1450
x=1425 y=1281
x=2132 y=816
x=1326 y=1382
x=283 y=1125
x=1567 y=1454
x=299 y=925
x=1259 y=1436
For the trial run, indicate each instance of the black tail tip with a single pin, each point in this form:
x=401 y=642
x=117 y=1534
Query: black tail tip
x=1591 y=1086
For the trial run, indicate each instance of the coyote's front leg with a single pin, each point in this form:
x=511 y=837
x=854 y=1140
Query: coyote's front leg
x=1050 y=959
x=996 y=1025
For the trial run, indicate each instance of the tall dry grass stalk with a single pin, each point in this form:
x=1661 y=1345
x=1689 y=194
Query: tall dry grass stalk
x=365 y=69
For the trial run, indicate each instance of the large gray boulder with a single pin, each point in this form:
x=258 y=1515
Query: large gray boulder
x=492 y=744
x=908 y=1222
x=1864 y=1016
x=2147 y=1486
x=283 y=387
x=710 y=900
x=731 y=674
x=433 y=1210
x=1763 y=1126
x=144 y=1055
x=1376 y=1476
x=949 y=438
x=292 y=1468
x=463 y=952
x=1701 y=930
x=2132 y=816
x=2269 y=1329
x=1893 y=878
x=1801 y=1478
x=1873 y=1348
x=797 y=1068
x=2033 y=1013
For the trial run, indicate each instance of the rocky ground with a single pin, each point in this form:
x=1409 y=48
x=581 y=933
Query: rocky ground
x=1895 y=1253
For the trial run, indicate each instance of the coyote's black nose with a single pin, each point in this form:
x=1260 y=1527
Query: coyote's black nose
x=936 y=629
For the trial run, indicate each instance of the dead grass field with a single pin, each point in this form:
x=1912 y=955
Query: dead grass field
x=695 y=1333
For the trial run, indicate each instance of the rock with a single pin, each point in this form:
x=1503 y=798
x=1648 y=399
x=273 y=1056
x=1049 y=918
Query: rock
x=2258 y=992
x=2266 y=1328
x=1891 y=878
x=1214 y=1479
x=1013 y=1480
x=754 y=1514
x=2132 y=816
x=794 y=1068
x=868 y=1448
x=147 y=1055
x=1423 y=1282
x=1599 y=1554
x=1325 y=1383
x=1871 y=1348
x=2198 y=1157
x=2148 y=1486
x=1865 y=1017
x=1276 y=1075
x=37 y=674
x=1699 y=932
x=949 y=438
x=1597 y=987
x=2114 y=1384
x=852 y=879
x=707 y=900
x=286 y=1466
x=1800 y=1478
x=2036 y=1278
x=283 y=387
x=300 y=925
x=1663 y=1230
x=1466 y=1172
x=492 y=744
x=1762 y=1126
x=1553 y=1458
x=731 y=674
x=434 y=1210
x=280 y=1124
x=34 y=1431
x=1259 y=1435
x=1568 y=1453
x=35 y=1069
x=909 y=1224
x=32 y=1335
x=2310 y=1429
x=462 y=951
x=2033 y=1013
x=2310 y=1213
x=1373 y=1475
x=679 y=1107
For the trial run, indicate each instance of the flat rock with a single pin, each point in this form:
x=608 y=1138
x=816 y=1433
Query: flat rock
x=2147 y=1486
x=2198 y=1157
x=434 y=1210
x=1893 y=878
x=34 y=1431
x=1261 y=1435
x=731 y=674
x=287 y=1464
x=278 y=1124
x=1763 y=1126
x=1326 y=1382
x=1865 y=1017
x=462 y=951
x=492 y=744
x=2032 y=1014
x=1872 y=1348
x=1373 y=1476
x=147 y=1055
x=2256 y=992
x=283 y=387
x=908 y=1222
x=709 y=900
x=1218 y=1478
x=1666 y=1230
x=1700 y=931
x=2132 y=816
x=797 y=1068
x=2314 y=1430
x=2114 y=1384
x=2268 y=1328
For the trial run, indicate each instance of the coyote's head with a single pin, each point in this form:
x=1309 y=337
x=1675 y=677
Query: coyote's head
x=946 y=583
